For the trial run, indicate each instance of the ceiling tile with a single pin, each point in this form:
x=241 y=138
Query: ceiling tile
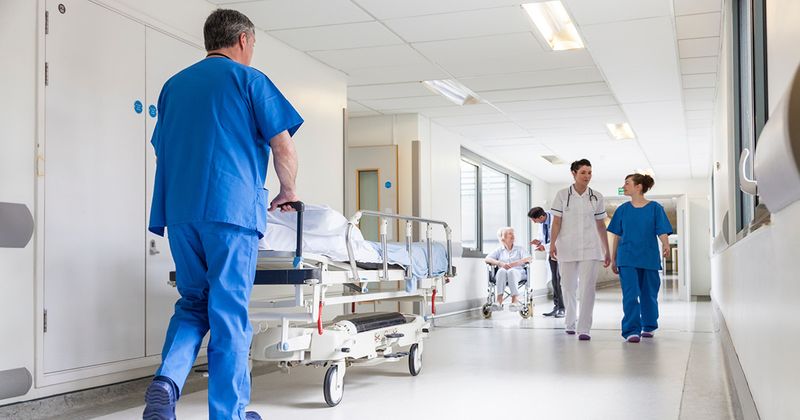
x=384 y=91
x=543 y=114
x=499 y=54
x=703 y=94
x=690 y=7
x=451 y=111
x=403 y=103
x=467 y=24
x=471 y=119
x=699 y=65
x=556 y=104
x=591 y=12
x=337 y=37
x=533 y=79
x=271 y=15
x=698 y=26
x=699 y=47
x=491 y=131
x=656 y=121
x=704 y=80
x=637 y=58
x=394 y=74
x=383 y=9
x=700 y=115
x=359 y=58
x=546 y=92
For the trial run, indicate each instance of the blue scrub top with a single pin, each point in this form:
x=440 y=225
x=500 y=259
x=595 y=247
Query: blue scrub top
x=215 y=120
x=638 y=229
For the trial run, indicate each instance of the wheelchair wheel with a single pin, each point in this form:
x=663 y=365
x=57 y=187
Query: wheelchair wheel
x=486 y=310
x=526 y=311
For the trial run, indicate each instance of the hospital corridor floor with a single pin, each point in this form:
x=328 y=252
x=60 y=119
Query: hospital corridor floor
x=507 y=367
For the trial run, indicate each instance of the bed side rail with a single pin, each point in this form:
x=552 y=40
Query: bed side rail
x=410 y=220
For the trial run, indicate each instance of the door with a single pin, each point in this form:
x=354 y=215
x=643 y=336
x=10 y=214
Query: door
x=166 y=56
x=94 y=212
x=372 y=181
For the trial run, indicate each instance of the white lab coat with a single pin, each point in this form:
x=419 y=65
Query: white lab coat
x=578 y=239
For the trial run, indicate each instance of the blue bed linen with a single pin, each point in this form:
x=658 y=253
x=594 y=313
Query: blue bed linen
x=397 y=254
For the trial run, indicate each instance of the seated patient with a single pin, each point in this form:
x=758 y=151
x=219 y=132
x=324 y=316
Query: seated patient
x=510 y=261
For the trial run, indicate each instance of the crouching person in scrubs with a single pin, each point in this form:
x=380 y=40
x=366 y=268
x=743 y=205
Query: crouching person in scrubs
x=219 y=119
x=510 y=261
x=580 y=244
x=635 y=257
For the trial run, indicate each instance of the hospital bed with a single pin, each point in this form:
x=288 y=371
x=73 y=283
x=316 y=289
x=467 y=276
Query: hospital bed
x=291 y=331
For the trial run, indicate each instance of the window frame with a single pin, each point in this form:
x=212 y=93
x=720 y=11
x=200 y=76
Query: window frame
x=752 y=119
x=480 y=162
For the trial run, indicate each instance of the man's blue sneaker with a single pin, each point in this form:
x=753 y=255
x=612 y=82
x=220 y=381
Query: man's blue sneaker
x=160 y=399
x=252 y=415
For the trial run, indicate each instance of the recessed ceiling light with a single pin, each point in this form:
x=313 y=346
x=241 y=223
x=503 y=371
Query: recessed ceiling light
x=555 y=25
x=620 y=131
x=553 y=159
x=453 y=91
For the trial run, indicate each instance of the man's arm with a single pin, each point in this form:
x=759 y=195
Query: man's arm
x=614 y=244
x=285 y=162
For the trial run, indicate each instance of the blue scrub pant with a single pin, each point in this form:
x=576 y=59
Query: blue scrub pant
x=215 y=265
x=639 y=300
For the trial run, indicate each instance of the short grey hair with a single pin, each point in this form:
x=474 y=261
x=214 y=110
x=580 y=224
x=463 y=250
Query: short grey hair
x=223 y=27
x=502 y=232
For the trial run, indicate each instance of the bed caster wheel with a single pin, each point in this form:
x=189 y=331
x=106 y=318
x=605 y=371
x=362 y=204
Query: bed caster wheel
x=526 y=311
x=333 y=387
x=486 y=310
x=415 y=360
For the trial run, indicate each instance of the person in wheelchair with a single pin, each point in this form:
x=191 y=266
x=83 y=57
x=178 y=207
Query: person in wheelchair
x=510 y=261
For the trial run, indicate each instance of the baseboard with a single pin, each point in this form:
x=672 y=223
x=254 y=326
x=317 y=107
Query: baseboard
x=744 y=406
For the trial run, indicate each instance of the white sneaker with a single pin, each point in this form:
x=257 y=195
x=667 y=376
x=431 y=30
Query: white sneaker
x=497 y=307
x=515 y=307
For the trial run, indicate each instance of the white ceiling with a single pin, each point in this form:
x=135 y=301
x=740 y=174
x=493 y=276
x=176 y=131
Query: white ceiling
x=651 y=63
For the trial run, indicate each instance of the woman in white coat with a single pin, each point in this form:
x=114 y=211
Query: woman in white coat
x=580 y=244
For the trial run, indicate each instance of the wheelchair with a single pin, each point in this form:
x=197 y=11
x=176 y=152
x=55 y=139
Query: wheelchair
x=525 y=293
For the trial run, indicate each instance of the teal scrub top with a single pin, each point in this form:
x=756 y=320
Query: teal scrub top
x=638 y=229
x=215 y=120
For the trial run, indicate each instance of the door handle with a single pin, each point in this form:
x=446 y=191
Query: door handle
x=747 y=185
x=153 y=250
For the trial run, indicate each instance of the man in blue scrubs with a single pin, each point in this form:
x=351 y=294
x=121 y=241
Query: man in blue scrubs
x=219 y=119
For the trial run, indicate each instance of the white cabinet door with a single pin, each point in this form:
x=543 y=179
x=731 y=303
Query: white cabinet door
x=165 y=57
x=94 y=211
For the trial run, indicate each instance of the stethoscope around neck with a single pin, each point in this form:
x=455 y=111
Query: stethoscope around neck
x=591 y=196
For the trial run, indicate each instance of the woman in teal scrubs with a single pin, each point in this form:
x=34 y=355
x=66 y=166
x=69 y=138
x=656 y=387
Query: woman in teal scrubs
x=638 y=225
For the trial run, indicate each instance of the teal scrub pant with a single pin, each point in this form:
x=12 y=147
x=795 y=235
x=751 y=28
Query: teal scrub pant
x=215 y=266
x=639 y=300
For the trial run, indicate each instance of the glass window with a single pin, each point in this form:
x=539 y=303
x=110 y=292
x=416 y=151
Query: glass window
x=469 y=205
x=750 y=96
x=494 y=206
x=520 y=200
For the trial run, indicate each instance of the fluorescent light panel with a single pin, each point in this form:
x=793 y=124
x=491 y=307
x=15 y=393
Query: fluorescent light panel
x=621 y=131
x=555 y=25
x=453 y=91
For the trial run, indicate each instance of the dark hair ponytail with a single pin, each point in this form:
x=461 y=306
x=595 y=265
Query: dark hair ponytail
x=646 y=181
x=578 y=164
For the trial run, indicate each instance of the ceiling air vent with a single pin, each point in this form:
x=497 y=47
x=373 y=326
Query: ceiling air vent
x=553 y=159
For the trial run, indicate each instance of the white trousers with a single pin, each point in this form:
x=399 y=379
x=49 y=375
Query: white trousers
x=510 y=277
x=571 y=272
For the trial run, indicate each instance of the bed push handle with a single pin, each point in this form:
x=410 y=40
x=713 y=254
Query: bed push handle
x=299 y=207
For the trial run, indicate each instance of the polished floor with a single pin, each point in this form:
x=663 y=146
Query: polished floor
x=508 y=367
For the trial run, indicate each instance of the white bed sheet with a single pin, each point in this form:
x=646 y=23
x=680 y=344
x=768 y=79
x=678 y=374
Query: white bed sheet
x=323 y=233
